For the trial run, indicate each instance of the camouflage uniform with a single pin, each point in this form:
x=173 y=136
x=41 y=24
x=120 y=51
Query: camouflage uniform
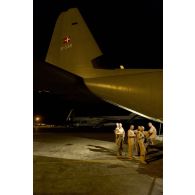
x=141 y=137
x=120 y=134
x=131 y=137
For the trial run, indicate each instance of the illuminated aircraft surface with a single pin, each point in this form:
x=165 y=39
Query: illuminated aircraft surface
x=73 y=49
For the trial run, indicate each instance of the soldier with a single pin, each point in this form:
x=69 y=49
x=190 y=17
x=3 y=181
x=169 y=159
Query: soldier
x=147 y=140
x=116 y=129
x=152 y=133
x=141 y=137
x=131 y=137
x=120 y=135
x=137 y=150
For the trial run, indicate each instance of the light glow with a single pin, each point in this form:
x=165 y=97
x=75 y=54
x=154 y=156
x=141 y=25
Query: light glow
x=37 y=119
x=122 y=67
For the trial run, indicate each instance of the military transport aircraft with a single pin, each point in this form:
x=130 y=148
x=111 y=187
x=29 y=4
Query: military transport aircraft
x=74 y=51
x=98 y=121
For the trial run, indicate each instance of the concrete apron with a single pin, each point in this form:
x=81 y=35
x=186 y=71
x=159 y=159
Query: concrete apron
x=77 y=165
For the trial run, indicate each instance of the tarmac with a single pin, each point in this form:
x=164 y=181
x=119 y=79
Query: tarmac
x=85 y=163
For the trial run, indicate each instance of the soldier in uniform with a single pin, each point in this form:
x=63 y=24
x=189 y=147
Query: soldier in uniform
x=120 y=135
x=116 y=130
x=147 y=140
x=137 y=150
x=152 y=133
x=131 y=137
x=141 y=137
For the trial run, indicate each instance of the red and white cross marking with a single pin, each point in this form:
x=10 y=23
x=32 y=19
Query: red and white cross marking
x=66 y=39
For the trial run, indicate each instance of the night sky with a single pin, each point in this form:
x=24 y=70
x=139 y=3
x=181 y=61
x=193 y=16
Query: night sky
x=130 y=31
x=127 y=32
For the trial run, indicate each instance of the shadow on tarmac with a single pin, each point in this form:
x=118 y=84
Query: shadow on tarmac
x=102 y=149
x=153 y=169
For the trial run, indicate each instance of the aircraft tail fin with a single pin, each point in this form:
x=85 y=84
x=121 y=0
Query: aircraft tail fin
x=72 y=46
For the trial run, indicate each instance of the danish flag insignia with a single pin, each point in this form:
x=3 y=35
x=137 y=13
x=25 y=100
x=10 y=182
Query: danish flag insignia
x=66 y=40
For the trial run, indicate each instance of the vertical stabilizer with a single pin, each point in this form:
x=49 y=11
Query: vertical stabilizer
x=72 y=46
